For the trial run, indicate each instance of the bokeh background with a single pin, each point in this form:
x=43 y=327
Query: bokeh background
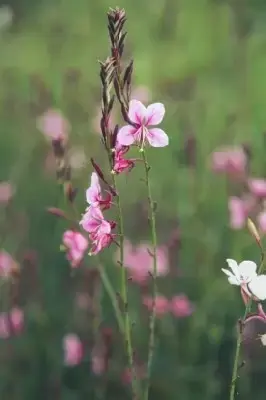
x=206 y=61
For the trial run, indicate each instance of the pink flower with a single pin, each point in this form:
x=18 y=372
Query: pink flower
x=7 y=265
x=76 y=245
x=122 y=164
x=140 y=263
x=229 y=160
x=141 y=118
x=181 y=306
x=94 y=194
x=261 y=218
x=6 y=192
x=161 y=304
x=53 y=125
x=99 y=229
x=73 y=349
x=257 y=187
x=15 y=318
x=238 y=212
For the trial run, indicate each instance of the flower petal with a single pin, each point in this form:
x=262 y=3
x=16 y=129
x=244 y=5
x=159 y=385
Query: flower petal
x=137 y=112
x=234 y=267
x=247 y=270
x=233 y=280
x=154 y=114
x=126 y=135
x=258 y=287
x=157 y=137
x=227 y=272
x=94 y=190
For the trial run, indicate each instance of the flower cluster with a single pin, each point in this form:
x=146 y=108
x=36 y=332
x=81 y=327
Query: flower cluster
x=253 y=286
x=93 y=221
x=251 y=203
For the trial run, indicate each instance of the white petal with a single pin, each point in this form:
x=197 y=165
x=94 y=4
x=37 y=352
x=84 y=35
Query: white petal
x=247 y=270
x=227 y=272
x=258 y=287
x=234 y=267
x=233 y=280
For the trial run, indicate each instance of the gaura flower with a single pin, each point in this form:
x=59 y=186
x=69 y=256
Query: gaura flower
x=99 y=229
x=245 y=275
x=181 y=307
x=94 y=194
x=140 y=130
x=122 y=164
x=76 y=245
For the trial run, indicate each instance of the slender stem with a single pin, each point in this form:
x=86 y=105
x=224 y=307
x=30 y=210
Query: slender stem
x=110 y=291
x=154 y=275
x=124 y=296
x=238 y=342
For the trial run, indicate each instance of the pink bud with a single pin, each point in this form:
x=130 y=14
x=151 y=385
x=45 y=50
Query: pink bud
x=11 y=323
x=73 y=349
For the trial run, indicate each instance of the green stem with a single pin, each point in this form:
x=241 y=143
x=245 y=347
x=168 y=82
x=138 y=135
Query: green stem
x=151 y=345
x=124 y=296
x=109 y=289
x=238 y=342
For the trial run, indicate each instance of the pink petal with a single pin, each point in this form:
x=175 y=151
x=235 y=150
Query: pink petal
x=94 y=190
x=137 y=112
x=155 y=113
x=157 y=137
x=126 y=135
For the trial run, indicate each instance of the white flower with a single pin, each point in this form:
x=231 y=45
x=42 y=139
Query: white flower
x=245 y=275
x=257 y=286
x=242 y=273
x=263 y=339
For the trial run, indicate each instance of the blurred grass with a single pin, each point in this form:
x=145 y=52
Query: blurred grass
x=206 y=61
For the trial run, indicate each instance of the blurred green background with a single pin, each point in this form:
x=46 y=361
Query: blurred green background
x=206 y=61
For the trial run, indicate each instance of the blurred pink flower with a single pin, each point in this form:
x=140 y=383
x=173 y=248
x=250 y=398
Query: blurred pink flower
x=257 y=187
x=261 y=218
x=232 y=160
x=94 y=194
x=76 y=245
x=99 y=229
x=238 y=212
x=16 y=318
x=139 y=262
x=181 y=306
x=141 y=93
x=53 y=125
x=7 y=265
x=6 y=192
x=161 y=304
x=73 y=349
x=141 y=119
